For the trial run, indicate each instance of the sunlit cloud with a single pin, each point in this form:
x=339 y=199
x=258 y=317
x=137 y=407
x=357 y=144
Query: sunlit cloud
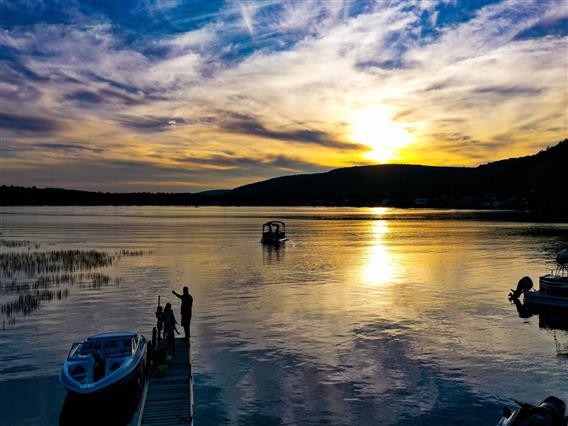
x=321 y=84
x=375 y=128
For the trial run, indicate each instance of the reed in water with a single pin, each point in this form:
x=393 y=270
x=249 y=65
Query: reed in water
x=37 y=277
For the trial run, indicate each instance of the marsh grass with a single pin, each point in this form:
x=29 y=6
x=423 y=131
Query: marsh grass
x=53 y=262
x=19 y=243
x=29 y=302
x=30 y=279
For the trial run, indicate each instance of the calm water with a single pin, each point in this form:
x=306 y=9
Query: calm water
x=366 y=316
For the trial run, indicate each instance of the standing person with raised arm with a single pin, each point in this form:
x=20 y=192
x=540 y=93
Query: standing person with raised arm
x=186 y=307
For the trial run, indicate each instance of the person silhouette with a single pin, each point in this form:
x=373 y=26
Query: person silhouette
x=170 y=328
x=186 y=308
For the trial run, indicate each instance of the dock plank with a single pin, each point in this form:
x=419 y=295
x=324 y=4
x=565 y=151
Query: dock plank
x=169 y=396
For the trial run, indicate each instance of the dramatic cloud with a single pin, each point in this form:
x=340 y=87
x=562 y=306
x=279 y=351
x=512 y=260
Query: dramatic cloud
x=28 y=124
x=251 y=126
x=151 y=124
x=184 y=95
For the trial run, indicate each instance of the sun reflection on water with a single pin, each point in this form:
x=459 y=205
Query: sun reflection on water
x=379 y=267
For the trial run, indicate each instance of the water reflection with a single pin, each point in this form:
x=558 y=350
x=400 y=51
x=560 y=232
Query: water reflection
x=118 y=410
x=273 y=253
x=555 y=321
x=379 y=267
x=372 y=316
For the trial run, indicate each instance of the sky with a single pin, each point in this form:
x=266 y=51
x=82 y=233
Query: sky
x=187 y=95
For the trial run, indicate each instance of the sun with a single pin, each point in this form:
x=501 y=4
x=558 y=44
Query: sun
x=373 y=127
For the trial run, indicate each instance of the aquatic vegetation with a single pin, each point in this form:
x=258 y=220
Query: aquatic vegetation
x=98 y=280
x=19 y=243
x=51 y=262
x=29 y=302
x=133 y=253
x=95 y=280
x=30 y=279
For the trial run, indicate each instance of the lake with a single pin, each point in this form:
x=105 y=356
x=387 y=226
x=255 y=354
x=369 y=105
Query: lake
x=365 y=316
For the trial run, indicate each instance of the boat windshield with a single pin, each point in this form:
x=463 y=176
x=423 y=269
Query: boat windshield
x=119 y=347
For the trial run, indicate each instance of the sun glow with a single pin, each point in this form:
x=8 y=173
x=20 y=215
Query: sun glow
x=379 y=267
x=373 y=127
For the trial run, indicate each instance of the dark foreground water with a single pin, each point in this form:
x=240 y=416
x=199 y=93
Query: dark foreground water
x=366 y=316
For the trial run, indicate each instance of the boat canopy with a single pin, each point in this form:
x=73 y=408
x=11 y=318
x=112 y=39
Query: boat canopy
x=274 y=227
x=561 y=265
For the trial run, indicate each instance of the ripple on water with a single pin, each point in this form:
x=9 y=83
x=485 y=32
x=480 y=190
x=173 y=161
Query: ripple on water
x=363 y=317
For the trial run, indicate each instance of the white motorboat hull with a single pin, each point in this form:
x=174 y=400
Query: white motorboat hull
x=131 y=371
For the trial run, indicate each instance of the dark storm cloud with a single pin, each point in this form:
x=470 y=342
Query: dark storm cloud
x=28 y=124
x=251 y=126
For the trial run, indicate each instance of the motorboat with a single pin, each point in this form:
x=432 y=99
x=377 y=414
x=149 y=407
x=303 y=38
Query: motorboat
x=274 y=232
x=553 y=287
x=105 y=362
x=550 y=412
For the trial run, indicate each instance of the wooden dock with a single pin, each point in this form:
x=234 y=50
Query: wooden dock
x=168 y=397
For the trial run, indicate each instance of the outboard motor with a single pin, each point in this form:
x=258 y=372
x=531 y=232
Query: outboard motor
x=524 y=285
x=550 y=412
x=555 y=408
x=522 y=309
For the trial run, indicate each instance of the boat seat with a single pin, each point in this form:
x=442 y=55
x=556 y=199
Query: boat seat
x=82 y=371
x=112 y=364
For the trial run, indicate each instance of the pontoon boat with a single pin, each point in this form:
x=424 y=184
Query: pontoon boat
x=274 y=232
x=553 y=287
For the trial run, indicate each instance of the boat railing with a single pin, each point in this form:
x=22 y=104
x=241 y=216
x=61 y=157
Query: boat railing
x=560 y=271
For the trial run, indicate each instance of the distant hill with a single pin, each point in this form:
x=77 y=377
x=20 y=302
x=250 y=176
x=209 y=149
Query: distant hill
x=214 y=192
x=538 y=182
